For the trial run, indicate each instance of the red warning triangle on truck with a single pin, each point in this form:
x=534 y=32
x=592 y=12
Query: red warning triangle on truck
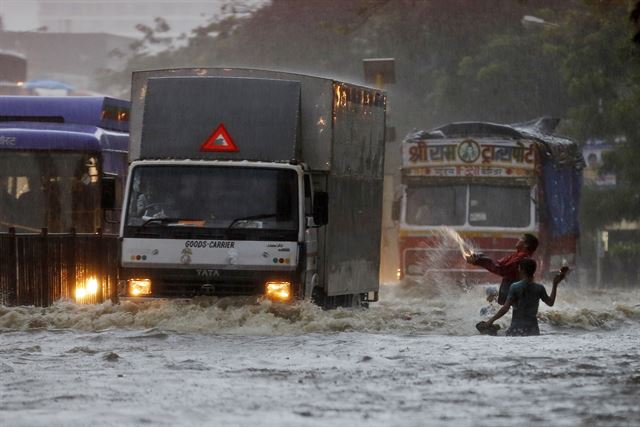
x=219 y=140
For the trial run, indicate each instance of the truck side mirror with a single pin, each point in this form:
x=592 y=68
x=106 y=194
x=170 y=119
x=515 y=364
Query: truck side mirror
x=321 y=208
x=395 y=210
x=108 y=197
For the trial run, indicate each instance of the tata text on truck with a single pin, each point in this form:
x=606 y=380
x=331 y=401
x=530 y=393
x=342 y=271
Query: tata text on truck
x=252 y=182
x=491 y=183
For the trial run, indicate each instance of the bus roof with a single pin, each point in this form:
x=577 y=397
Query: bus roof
x=98 y=111
x=60 y=137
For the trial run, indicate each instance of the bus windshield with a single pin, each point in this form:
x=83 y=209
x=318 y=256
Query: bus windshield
x=213 y=197
x=53 y=190
x=474 y=205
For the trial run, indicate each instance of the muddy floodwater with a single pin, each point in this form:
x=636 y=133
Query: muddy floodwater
x=413 y=359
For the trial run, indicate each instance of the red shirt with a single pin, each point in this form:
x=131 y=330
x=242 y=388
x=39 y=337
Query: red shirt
x=506 y=267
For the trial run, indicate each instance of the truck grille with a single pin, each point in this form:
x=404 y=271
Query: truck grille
x=181 y=288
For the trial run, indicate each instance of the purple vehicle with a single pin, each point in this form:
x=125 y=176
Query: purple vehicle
x=62 y=163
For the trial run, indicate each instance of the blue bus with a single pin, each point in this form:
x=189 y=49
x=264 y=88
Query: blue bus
x=62 y=163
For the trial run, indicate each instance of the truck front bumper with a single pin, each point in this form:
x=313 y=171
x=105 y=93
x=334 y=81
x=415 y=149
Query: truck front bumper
x=185 y=284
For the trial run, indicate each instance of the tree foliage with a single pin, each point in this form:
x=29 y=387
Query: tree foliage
x=601 y=68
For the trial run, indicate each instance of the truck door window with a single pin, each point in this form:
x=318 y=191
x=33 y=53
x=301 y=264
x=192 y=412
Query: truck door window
x=436 y=205
x=499 y=206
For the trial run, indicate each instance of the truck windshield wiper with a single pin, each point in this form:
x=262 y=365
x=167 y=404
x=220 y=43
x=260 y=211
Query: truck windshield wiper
x=163 y=221
x=248 y=218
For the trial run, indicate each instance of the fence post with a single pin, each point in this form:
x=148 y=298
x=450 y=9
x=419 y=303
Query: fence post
x=71 y=252
x=100 y=255
x=12 y=298
x=43 y=294
x=114 y=263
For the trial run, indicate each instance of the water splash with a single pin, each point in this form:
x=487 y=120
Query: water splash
x=466 y=248
x=439 y=260
x=417 y=310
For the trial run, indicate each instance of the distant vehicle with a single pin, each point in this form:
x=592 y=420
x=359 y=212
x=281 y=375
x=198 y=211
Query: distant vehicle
x=13 y=67
x=62 y=163
x=253 y=182
x=49 y=88
x=13 y=73
x=491 y=183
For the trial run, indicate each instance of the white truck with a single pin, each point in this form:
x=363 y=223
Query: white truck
x=253 y=182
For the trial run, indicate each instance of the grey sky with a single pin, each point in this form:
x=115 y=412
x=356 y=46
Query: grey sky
x=22 y=15
x=19 y=15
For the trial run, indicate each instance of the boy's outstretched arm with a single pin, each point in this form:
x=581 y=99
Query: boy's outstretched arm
x=503 y=310
x=551 y=299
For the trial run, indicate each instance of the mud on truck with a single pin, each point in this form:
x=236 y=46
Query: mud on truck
x=250 y=182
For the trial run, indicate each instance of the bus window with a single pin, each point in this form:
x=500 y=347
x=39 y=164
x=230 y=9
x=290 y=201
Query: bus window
x=57 y=191
x=8 y=202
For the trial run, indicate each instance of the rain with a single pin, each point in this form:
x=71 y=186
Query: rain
x=312 y=212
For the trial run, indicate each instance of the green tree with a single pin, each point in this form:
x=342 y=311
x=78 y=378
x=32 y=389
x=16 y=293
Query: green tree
x=601 y=68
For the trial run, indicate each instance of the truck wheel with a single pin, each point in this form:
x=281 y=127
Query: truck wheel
x=318 y=296
x=360 y=301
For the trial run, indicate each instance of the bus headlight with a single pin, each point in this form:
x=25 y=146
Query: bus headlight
x=92 y=286
x=86 y=290
x=139 y=287
x=278 y=291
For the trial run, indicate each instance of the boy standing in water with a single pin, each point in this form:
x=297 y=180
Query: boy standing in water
x=507 y=267
x=524 y=296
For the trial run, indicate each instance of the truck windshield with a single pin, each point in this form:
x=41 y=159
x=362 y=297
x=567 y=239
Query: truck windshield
x=499 y=206
x=441 y=205
x=54 y=190
x=213 y=197
x=472 y=205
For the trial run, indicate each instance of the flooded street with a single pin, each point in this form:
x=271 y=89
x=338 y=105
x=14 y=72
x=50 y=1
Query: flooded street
x=413 y=359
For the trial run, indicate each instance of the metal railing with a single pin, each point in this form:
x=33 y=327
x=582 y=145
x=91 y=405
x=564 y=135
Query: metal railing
x=38 y=269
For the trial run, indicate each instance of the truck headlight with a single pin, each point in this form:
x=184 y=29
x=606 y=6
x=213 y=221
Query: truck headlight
x=278 y=291
x=139 y=287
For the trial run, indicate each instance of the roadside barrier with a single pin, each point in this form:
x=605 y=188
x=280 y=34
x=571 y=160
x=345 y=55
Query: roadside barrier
x=40 y=268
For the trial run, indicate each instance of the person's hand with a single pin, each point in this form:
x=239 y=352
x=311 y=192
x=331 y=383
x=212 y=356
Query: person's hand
x=472 y=259
x=563 y=272
x=560 y=275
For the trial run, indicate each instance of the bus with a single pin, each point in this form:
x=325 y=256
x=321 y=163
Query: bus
x=62 y=163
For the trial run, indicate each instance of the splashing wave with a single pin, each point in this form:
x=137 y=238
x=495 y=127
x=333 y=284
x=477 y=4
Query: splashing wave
x=402 y=310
